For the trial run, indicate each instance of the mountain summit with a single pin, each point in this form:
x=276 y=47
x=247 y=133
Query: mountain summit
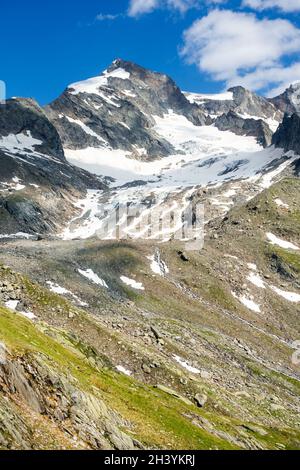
x=142 y=340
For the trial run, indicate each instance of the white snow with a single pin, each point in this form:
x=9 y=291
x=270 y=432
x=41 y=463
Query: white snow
x=210 y=157
x=129 y=93
x=108 y=97
x=132 y=283
x=212 y=165
x=282 y=243
x=291 y=296
x=89 y=274
x=125 y=125
x=57 y=289
x=29 y=315
x=249 y=303
x=15 y=143
x=158 y=266
x=92 y=85
x=89 y=220
x=17 y=186
x=231 y=256
x=252 y=266
x=268 y=179
x=186 y=365
x=12 y=304
x=85 y=128
x=184 y=135
x=272 y=123
x=256 y=280
x=230 y=193
x=207 y=157
x=200 y=98
x=20 y=235
x=124 y=371
x=280 y=203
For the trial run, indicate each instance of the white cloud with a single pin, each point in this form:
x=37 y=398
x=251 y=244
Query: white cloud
x=275 y=79
x=239 y=48
x=104 y=17
x=284 y=5
x=140 y=7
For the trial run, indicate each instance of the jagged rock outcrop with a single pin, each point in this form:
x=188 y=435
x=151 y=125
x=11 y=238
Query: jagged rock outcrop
x=248 y=127
x=289 y=101
x=31 y=383
x=117 y=110
x=239 y=100
x=37 y=183
x=236 y=110
x=288 y=134
x=23 y=116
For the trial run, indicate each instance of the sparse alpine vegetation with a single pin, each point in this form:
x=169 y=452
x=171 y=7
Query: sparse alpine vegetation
x=140 y=343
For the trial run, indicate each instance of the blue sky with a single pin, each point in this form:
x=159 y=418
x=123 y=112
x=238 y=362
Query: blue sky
x=204 y=45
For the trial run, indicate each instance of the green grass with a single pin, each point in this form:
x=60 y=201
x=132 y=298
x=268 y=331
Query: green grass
x=158 y=419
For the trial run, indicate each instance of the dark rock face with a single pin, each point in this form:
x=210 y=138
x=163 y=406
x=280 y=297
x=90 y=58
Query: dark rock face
x=116 y=110
x=36 y=181
x=235 y=110
x=33 y=381
x=289 y=101
x=288 y=134
x=297 y=167
x=243 y=102
x=248 y=127
x=22 y=115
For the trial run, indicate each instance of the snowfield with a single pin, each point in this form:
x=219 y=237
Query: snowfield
x=15 y=143
x=93 y=277
x=200 y=98
x=256 y=280
x=280 y=203
x=123 y=370
x=249 y=303
x=186 y=365
x=203 y=156
x=132 y=283
x=282 y=243
x=57 y=289
x=92 y=85
x=290 y=296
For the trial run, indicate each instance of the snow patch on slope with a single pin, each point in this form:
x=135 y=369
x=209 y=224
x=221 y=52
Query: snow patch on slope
x=186 y=365
x=249 y=303
x=158 y=266
x=280 y=242
x=290 y=296
x=57 y=289
x=200 y=98
x=280 y=203
x=16 y=143
x=123 y=370
x=92 y=85
x=91 y=276
x=132 y=283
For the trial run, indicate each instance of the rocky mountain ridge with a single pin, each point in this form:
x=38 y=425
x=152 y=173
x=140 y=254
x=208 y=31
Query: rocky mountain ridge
x=37 y=183
x=288 y=102
x=118 y=110
x=140 y=343
x=107 y=124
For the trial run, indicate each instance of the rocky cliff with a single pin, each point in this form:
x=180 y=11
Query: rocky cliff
x=37 y=183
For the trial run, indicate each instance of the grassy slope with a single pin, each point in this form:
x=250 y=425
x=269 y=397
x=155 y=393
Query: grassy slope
x=201 y=314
